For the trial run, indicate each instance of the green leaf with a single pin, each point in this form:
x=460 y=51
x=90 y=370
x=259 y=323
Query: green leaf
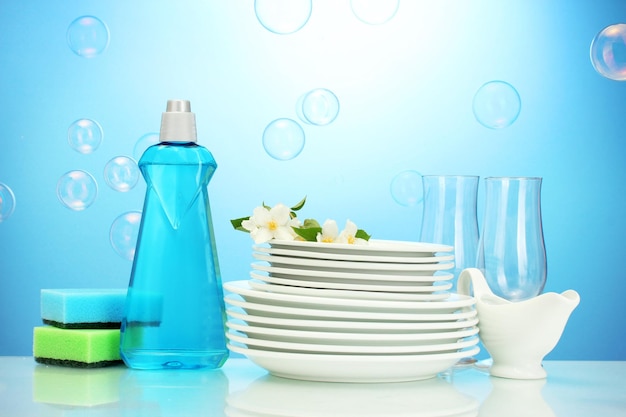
x=361 y=234
x=307 y=233
x=237 y=224
x=311 y=223
x=299 y=205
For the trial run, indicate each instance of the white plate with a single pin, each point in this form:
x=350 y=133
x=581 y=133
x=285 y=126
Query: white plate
x=431 y=295
x=374 y=246
x=370 y=257
x=447 y=305
x=350 y=338
x=326 y=265
x=414 y=278
x=355 y=349
x=353 y=368
x=354 y=326
x=388 y=287
x=269 y=310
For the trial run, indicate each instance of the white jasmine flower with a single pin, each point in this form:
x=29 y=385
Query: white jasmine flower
x=348 y=235
x=329 y=233
x=275 y=223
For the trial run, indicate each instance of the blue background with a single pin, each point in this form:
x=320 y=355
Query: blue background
x=405 y=89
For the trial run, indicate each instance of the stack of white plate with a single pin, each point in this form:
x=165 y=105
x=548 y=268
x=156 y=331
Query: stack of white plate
x=354 y=313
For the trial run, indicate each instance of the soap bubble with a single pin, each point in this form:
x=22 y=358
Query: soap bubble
x=77 y=190
x=283 y=16
x=496 y=104
x=121 y=173
x=7 y=202
x=374 y=12
x=124 y=233
x=144 y=143
x=84 y=136
x=407 y=189
x=283 y=139
x=608 y=52
x=319 y=107
x=87 y=36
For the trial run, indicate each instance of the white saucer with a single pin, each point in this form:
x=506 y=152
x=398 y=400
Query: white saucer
x=330 y=265
x=351 y=338
x=429 y=293
x=354 y=349
x=448 y=305
x=374 y=286
x=270 y=310
x=353 y=368
x=370 y=257
x=415 y=278
x=373 y=247
x=467 y=321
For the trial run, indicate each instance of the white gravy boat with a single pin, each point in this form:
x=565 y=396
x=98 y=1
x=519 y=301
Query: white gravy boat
x=518 y=335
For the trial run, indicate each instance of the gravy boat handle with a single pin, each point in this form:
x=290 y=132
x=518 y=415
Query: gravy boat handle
x=474 y=278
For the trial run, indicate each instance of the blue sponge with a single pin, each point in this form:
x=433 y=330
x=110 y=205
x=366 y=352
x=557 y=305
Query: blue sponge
x=83 y=308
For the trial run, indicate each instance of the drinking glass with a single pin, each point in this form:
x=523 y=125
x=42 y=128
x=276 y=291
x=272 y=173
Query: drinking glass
x=450 y=216
x=511 y=252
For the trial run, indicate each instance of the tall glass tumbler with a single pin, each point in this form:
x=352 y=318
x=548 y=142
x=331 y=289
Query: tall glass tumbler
x=450 y=216
x=512 y=253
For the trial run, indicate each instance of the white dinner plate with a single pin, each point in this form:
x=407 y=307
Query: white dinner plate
x=372 y=286
x=329 y=265
x=436 y=292
x=353 y=368
x=374 y=246
x=414 y=278
x=447 y=305
x=370 y=257
x=269 y=310
x=351 y=338
x=353 y=349
x=353 y=325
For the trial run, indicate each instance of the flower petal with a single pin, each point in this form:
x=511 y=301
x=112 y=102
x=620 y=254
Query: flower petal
x=330 y=229
x=284 y=233
x=261 y=216
x=280 y=213
x=249 y=225
x=261 y=235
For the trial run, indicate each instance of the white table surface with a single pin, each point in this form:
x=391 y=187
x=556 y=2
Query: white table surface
x=240 y=389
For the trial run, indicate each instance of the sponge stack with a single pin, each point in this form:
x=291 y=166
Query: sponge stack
x=81 y=327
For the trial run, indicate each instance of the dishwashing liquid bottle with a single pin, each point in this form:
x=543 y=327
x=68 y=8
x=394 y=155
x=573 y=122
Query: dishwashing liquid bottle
x=174 y=314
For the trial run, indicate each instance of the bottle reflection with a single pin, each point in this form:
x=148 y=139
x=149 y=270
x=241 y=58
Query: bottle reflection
x=274 y=396
x=169 y=393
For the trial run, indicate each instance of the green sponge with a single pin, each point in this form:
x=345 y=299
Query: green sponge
x=82 y=348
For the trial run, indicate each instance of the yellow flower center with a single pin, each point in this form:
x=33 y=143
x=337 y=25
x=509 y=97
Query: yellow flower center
x=351 y=240
x=327 y=240
x=272 y=225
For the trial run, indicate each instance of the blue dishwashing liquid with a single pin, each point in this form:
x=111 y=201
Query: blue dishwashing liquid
x=175 y=313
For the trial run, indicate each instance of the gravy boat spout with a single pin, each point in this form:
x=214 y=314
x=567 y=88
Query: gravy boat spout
x=518 y=335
